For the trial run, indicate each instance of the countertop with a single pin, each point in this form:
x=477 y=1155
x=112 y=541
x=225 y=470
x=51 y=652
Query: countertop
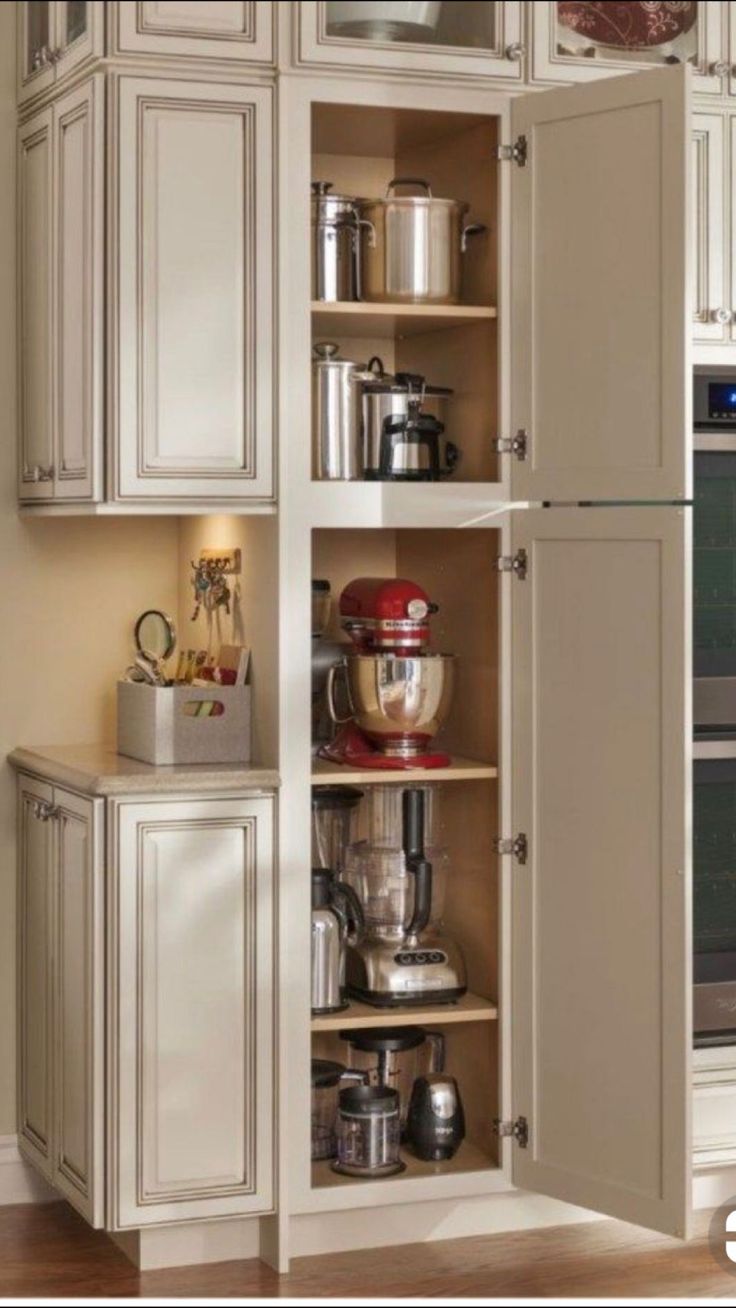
x=98 y=770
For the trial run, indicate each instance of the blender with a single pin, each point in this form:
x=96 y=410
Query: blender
x=404 y=956
x=333 y=816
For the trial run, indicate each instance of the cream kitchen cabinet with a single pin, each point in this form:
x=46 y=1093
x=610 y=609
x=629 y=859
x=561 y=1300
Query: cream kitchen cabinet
x=203 y=29
x=56 y=37
x=712 y=302
x=178 y=272
x=146 y=948
x=568 y=44
x=60 y=301
x=441 y=40
x=60 y=990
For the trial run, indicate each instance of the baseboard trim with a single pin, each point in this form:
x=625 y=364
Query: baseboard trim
x=19 y=1182
x=190 y=1243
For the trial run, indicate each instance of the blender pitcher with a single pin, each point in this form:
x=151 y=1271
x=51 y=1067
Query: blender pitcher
x=333 y=819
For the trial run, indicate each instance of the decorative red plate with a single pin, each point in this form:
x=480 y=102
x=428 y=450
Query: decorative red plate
x=629 y=26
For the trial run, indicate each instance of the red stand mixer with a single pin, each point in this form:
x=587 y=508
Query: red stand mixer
x=398 y=692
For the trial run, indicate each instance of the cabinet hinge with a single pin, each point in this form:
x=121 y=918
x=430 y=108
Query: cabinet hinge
x=517 y=444
x=516 y=563
x=516 y=153
x=518 y=1130
x=44 y=811
x=516 y=845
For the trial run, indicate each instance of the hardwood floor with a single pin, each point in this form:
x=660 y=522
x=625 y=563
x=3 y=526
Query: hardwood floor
x=46 y=1250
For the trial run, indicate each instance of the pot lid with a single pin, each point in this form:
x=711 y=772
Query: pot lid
x=385 y=1039
x=327 y=354
x=325 y=1073
x=369 y=1100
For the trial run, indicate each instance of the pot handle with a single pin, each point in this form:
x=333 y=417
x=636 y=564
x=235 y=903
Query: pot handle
x=330 y=693
x=409 y=181
x=472 y=229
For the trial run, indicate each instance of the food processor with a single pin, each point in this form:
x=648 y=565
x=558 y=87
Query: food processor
x=404 y=956
x=395 y=1056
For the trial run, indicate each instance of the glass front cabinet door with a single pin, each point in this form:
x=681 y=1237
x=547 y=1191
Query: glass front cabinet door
x=54 y=39
x=575 y=42
x=474 y=39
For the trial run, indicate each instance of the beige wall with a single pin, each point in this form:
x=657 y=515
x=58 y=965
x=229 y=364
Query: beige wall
x=68 y=591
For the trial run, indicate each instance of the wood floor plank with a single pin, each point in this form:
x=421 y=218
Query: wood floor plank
x=48 y=1251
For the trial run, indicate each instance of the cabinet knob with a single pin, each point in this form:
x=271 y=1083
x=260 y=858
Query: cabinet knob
x=55 y=55
x=721 y=316
x=515 y=51
x=43 y=474
x=719 y=68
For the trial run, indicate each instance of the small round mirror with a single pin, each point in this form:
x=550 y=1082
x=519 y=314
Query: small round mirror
x=155 y=636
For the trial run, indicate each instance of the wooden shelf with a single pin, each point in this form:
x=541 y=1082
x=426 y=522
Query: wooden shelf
x=469 y=1158
x=471 y=1008
x=461 y=769
x=348 y=318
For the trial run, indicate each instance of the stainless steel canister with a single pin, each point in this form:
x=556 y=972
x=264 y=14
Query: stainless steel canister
x=336 y=414
x=335 y=245
x=413 y=254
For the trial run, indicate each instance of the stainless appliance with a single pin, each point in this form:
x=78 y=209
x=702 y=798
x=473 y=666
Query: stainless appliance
x=402 y=958
x=403 y=430
x=413 y=254
x=336 y=414
x=368 y=1132
x=327 y=1080
x=337 y=919
x=714 y=540
x=335 y=245
x=436 y=1119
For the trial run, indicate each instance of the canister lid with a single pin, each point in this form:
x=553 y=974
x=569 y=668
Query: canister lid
x=385 y=1039
x=325 y=1073
x=320 y=586
x=327 y=797
x=369 y=1100
x=327 y=354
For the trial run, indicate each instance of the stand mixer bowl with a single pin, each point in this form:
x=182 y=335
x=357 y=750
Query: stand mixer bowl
x=400 y=703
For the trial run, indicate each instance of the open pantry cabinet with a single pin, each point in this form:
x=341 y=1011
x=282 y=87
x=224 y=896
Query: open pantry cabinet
x=570 y=719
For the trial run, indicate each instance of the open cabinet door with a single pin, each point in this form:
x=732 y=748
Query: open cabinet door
x=600 y=317
x=601 y=971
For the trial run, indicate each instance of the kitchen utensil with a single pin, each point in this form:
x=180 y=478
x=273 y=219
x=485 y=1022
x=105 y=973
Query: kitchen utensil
x=336 y=414
x=327 y=1078
x=336 y=226
x=398 y=705
x=154 y=636
x=368 y=1132
x=333 y=814
x=386 y=397
x=414 y=253
x=436 y=1121
x=396 y=20
x=403 y=957
x=388 y=1056
x=337 y=918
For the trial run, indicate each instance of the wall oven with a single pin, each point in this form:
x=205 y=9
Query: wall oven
x=714 y=706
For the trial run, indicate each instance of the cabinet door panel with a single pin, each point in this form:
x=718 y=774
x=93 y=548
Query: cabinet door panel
x=35 y=974
x=192 y=996
x=710 y=223
x=79 y=270
x=212 y=29
x=600 y=313
x=80 y=33
x=601 y=913
x=194 y=306
x=79 y=1011
x=35 y=306
x=36 y=71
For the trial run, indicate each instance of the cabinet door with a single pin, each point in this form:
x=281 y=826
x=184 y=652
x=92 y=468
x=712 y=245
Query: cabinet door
x=194 y=291
x=207 y=29
x=79 y=33
x=600 y=311
x=710 y=299
x=79 y=978
x=601 y=911
x=78 y=300
x=36 y=844
x=191 y=1023
x=449 y=40
x=574 y=42
x=36 y=35
x=35 y=307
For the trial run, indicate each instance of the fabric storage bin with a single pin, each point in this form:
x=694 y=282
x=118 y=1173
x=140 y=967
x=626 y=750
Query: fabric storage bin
x=159 y=724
